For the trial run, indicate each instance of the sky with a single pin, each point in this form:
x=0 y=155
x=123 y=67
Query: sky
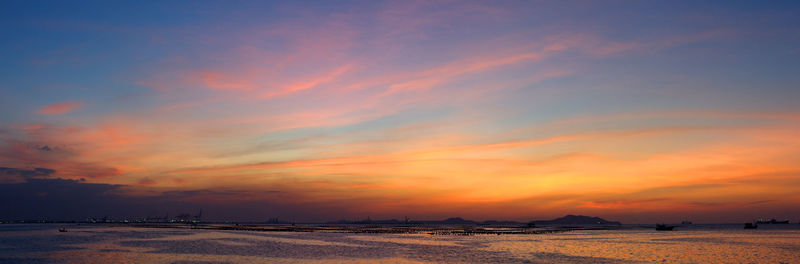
x=635 y=111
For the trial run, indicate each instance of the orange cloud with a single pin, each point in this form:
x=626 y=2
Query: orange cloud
x=60 y=108
x=437 y=154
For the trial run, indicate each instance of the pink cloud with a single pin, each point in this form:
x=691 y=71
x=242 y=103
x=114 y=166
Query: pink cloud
x=60 y=108
x=34 y=127
x=310 y=82
x=216 y=80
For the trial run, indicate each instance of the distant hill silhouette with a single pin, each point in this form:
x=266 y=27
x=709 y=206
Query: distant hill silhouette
x=454 y=221
x=576 y=220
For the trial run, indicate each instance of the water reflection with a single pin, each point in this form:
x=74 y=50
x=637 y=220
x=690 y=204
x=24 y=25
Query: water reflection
x=36 y=244
x=709 y=246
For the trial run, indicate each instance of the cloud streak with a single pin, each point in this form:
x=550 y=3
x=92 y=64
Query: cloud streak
x=60 y=108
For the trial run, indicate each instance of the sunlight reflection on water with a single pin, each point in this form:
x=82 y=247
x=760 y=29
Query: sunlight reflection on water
x=144 y=245
x=728 y=246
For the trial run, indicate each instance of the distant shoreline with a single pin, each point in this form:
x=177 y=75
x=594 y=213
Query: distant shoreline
x=458 y=230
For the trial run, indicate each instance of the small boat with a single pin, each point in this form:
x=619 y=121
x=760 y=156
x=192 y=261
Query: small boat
x=661 y=227
x=750 y=226
x=62 y=229
x=686 y=222
x=772 y=221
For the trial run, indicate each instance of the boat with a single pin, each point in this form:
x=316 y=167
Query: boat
x=750 y=226
x=771 y=221
x=661 y=227
x=62 y=229
x=686 y=222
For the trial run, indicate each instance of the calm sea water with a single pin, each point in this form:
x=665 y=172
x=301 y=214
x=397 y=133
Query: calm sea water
x=96 y=244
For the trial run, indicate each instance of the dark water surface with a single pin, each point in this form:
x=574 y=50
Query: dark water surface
x=31 y=243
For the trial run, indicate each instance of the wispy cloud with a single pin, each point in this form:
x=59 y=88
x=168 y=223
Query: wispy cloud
x=60 y=108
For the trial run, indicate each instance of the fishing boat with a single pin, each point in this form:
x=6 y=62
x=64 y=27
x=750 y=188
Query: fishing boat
x=750 y=226
x=662 y=227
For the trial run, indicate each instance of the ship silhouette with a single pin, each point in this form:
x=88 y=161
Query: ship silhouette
x=771 y=221
x=663 y=227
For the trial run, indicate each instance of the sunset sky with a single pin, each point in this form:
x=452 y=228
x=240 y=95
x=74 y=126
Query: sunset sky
x=636 y=111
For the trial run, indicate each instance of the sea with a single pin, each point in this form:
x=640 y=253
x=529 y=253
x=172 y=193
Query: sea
x=43 y=243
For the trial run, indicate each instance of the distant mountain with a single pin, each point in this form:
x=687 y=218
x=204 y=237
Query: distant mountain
x=576 y=220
